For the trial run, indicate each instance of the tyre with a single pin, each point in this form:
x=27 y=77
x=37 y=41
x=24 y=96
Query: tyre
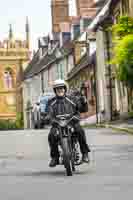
x=73 y=163
x=35 y=126
x=73 y=167
x=67 y=156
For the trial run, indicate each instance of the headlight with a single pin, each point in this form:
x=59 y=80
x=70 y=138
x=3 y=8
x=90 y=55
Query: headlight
x=72 y=129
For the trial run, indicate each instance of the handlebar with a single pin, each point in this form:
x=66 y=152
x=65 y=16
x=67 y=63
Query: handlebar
x=62 y=119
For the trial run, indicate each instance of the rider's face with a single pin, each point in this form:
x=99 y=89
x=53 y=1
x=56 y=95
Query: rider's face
x=60 y=91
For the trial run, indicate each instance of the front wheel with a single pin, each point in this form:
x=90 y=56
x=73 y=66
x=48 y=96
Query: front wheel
x=67 y=156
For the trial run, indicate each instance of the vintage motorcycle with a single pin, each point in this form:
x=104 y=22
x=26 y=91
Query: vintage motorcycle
x=68 y=143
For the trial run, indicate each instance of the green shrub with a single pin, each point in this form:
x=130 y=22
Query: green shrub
x=123 y=27
x=12 y=124
x=7 y=125
x=123 y=54
x=124 y=60
x=3 y=124
x=130 y=114
x=19 y=121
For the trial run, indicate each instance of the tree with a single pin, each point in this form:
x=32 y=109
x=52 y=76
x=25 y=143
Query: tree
x=124 y=60
x=123 y=53
x=123 y=27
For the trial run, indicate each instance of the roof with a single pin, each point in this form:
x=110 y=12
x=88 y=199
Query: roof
x=37 y=65
x=100 y=3
x=103 y=13
x=43 y=41
x=31 y=64
x=84 y=62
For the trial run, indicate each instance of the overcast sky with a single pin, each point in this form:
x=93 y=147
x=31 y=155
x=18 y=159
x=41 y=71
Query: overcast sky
x=39 y=13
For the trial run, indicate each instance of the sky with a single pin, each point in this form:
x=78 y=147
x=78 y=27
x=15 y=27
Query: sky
x=39 y=14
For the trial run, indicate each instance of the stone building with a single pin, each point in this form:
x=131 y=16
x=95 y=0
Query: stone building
x=45 y=67
x=13 y=54
x=83 y=74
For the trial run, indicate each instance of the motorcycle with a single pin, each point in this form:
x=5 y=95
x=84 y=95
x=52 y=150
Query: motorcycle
x=68 y=143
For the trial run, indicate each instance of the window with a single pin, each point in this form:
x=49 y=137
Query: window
x=61 y=71
x=8 y=78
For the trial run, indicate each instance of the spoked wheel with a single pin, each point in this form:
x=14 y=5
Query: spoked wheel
x=67 y=157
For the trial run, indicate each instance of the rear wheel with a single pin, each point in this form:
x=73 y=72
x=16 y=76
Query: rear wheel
x=67 y=156
x=72 y=161
x=73 y=167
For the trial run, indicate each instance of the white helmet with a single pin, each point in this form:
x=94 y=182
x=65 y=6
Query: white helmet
x=59 y=83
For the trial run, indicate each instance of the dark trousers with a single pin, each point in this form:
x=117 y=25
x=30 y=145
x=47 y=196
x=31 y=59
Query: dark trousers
x=53 y=140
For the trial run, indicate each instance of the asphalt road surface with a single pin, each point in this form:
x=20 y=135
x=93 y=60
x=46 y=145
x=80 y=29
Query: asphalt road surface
x=109 y=175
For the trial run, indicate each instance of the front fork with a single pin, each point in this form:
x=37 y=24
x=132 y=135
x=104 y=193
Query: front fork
x=73 y=145
x=64 y=133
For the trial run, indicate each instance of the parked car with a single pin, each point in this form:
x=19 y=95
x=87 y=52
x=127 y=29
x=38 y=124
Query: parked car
x=44 y=119
x=36 y=115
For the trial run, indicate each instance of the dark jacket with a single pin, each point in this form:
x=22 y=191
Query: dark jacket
x=83 y=105
x=81 y=101
x=63 y=105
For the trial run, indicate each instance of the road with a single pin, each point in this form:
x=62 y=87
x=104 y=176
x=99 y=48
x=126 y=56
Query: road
x=109 y=175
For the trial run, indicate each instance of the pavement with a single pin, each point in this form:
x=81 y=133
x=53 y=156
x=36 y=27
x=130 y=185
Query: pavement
x=88 y=121
x=120 y=125
x=107 y=177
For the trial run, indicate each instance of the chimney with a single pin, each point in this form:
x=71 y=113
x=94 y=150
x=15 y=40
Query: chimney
x=65 y=34
x=43 y=44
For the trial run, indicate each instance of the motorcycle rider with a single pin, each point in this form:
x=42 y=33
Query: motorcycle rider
x=59 y=105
